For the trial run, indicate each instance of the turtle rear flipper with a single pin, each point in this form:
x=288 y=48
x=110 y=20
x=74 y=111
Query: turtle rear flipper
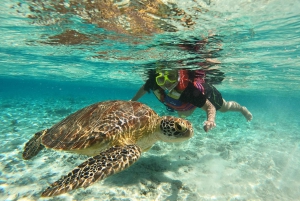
x=33 y=146
x=111 y=161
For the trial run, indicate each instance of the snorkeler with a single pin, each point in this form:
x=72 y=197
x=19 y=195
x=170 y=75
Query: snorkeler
x=184 y=91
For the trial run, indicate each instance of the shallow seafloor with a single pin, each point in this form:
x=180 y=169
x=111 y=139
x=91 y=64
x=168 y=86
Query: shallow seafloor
x=236 y=160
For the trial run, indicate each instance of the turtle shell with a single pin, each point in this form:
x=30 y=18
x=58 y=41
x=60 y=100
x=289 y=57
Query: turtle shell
x=101 y=122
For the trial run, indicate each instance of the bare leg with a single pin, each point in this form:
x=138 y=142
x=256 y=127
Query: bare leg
x=234 y=106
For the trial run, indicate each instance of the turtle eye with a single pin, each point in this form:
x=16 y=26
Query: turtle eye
x=178 y=127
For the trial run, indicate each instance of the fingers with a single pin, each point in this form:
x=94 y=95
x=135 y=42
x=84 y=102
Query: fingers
x=208 y=125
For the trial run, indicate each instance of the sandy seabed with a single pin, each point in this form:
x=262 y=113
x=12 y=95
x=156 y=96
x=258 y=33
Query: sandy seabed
x=234 y=161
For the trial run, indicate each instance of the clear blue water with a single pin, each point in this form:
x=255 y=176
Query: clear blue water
x=57 y=57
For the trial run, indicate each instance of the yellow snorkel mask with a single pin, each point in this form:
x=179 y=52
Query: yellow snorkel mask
x=164 y=76
x=167 y=76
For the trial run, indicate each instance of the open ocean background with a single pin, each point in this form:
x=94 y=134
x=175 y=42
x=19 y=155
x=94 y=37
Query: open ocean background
x=59 y=56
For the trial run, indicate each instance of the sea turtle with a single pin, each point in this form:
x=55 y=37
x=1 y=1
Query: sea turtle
x=114 y=133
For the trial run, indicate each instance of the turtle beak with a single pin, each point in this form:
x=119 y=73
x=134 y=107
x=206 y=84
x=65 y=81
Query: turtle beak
x=189 y=133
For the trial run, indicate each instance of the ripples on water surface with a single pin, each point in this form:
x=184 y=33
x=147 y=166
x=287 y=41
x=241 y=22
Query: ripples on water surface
x=59 y=56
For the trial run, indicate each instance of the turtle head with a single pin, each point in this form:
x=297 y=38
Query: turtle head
x=173 y=129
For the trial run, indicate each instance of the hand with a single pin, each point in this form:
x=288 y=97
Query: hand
x=208 y=125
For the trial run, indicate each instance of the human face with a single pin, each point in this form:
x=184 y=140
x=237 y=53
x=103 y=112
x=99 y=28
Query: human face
x=166 y=79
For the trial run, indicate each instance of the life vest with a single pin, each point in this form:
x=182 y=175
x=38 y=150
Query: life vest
x=171 y=100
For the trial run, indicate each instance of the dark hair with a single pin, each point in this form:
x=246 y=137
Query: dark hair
x=151 y=83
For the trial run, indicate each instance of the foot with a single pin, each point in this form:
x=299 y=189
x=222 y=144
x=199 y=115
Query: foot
x=247 y=114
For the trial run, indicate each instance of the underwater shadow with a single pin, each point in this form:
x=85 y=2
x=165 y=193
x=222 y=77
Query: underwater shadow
x=149 y=172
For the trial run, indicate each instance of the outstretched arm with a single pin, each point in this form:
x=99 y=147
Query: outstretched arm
x=139 y=94
x=210 y=110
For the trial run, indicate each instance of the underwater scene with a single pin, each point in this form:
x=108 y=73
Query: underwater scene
x=59 y=56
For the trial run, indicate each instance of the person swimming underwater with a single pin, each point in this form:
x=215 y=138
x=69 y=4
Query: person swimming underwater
x=184 y=91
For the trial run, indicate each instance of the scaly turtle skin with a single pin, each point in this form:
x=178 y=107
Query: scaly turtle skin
x=114 y=133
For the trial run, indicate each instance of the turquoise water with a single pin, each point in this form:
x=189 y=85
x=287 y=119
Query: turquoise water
x=58 y=57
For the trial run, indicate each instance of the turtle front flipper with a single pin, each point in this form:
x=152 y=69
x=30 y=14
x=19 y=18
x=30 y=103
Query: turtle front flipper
x=111 y=161
x=33 y=146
